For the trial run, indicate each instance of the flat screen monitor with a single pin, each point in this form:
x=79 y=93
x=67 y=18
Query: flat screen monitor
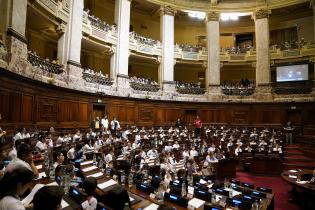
x=292 y=73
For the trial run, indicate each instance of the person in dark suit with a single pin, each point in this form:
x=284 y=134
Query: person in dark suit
x=178 y=123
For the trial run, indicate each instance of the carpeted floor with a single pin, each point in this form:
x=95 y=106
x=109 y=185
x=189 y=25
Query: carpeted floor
x=277 y=184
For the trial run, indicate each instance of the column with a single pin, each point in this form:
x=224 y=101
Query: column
x=12 y=28
x=62 y=44
x=75 y=32
x=213 y=44
x=121 y=59
x=263 y=87
x=262 y=47
x=166 y=70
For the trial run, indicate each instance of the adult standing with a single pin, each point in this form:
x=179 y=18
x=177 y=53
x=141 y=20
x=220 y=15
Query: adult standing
x=114 y=125
x=105 y=123
x=197 y=124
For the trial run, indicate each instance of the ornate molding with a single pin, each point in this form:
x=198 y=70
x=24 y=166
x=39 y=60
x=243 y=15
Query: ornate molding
x=167 y=10
x=74 y=63
x=261 y=13
x=61 y=28
x=213 y=16
x=11 y=32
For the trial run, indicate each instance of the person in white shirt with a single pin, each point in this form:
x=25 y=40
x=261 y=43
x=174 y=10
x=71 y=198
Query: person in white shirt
x=172 y=160
x=105 y=123
x=71 y=153
x=185 y=154
x=193 y=152
x=18 y=135
x=211 y=149
x=277 y=148
x=127 y=148
x=238 y=150
x=108 y=157
x=114 y=125
x=168 y=148
x=210 y=158
x=176 y=145
x=248 y=148
x=98 y=144
x=230 y=144
x=87 y=148
x=90 y=135
x=58 y=158
x=13 y=184
x=89 y=186
x=41 y=145
x=60 y=139
x=138 y=138
x=152 y=153
x=77 y=136
x=125 y=133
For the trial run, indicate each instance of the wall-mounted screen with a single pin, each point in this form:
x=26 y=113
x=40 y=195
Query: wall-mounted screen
x=292 y=73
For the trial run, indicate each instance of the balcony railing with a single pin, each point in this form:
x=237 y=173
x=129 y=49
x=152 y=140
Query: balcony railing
x=238 y=91
x=144 y=87
x=191 y=90
x=51 y=67
x=99 y=78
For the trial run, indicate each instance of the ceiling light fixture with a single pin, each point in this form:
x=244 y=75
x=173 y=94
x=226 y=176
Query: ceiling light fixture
x=233 y=16
x=196 y=14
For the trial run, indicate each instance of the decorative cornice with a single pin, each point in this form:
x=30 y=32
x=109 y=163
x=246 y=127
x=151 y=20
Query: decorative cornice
x=123 y=76
x=213 y=16
x=61 y=28
x=261 y=13
x=74 y=63
x=167 y=10
x=17 y=35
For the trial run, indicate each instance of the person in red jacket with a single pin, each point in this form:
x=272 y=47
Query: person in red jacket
x=197 y=124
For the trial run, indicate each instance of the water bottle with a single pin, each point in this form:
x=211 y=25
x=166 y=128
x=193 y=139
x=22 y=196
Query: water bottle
x=94 y=159
x=130 y=180
x=213 y=198
x=52 y=171
x=160 y=195
x=256 y=205
x=46 y=160
x=122 y=178
x=184 y=192
x=226 y=184
x=126 y=206
x=107 y=172
x=190 y=179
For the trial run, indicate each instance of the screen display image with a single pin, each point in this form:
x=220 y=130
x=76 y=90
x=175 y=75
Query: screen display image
x=292 y=73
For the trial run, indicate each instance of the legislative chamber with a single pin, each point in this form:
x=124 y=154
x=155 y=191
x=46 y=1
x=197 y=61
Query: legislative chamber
x=157 y=104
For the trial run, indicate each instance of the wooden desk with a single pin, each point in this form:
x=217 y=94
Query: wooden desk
x=292 y=176
x=266 y=165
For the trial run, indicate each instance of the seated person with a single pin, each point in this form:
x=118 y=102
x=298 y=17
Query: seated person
x=238 y=150
x=168 y=148
x=193 y=152
x=176 y=145
x=89 y=186
x=153 y=153
x=58 y=158
x=90 y=135
x=15 y=182
x=48 y=198
x=41 y=144
x=117 y=198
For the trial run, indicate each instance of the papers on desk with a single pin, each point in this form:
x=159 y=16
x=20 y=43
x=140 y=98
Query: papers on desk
x=86 y=163
x=191 y=190
x=293 y=171
x=131 y=199
x=96 y=175
x=292 y=176
x=29 y=198
x=153 y=206
x=91 y=168
x=41 y=175
x=201 y=181
x=64 y=204
x=39 y=167
x=301 y=182
x=107 y=184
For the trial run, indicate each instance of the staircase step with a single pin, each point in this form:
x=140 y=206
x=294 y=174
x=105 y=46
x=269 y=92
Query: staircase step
x=298 y=159
x=287 y=166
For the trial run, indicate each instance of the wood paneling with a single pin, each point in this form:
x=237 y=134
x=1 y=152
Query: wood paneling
x=35 y=103
x=27 y=108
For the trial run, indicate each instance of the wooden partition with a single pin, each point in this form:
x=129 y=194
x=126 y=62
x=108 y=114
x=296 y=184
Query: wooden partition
x=26 y=102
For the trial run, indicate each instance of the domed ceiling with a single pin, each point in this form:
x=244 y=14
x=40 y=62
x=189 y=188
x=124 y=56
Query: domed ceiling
x=226 y=5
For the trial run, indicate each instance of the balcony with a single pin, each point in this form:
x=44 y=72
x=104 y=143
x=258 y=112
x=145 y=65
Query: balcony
x=50 y=67
x=189 y=88
x=143 y=84
x=238 y=91
x=96 y=77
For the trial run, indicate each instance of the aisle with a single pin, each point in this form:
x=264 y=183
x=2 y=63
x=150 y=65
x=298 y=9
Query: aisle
x=277 y=184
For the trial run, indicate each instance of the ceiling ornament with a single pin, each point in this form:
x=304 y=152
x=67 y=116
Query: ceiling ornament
x=167 y=10
x=213 y=16
x=261 y=13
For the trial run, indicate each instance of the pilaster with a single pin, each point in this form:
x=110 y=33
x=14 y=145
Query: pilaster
x=166 y=70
